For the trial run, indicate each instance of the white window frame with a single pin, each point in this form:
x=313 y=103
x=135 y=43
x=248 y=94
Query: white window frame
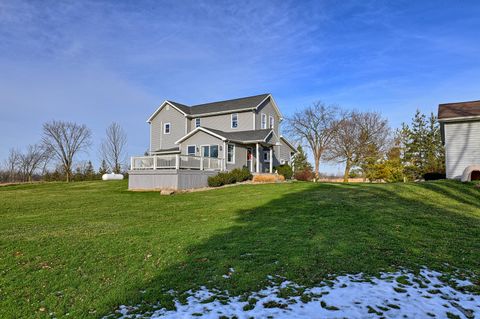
x=267 y=153
x=271 y=122
x=263 y=121
x=231 y=120
x=209 y=151
x=197 y=124
x=233 y=154
x=165 y=128
x=195 y=150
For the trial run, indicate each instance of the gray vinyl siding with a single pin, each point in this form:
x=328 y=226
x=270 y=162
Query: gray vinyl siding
x=240 y=157
x=223 y=122
x=201 y=138
x=268 y=109
x=462 y=147
x=177 y=121
x=285 y=152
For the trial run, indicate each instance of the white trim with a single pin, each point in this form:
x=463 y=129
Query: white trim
x=274 y=105
x=460 y=118
x=151 y=137
x=209 y=151
x=254 y=122
x=200 y=129
x=220 y=112
x=271 y=160
x=288 y=143
x=233 y=155
x=231 y=120
x=195 y=146
x=261 y=121
x=161 y=107
x=186 y=125
x=268 y=156
x=165 y=128
x=257 y=158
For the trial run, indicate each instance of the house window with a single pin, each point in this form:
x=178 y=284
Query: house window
x=230 y=153
x=264 y=121
x=266 y=156
x=191 y=150
x=234 y=120
x=210 y=151
x=197 y=122
x=166 y=128
x=272 y=121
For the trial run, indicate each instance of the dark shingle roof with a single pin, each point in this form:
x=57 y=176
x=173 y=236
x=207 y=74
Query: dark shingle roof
x=220 y=106
x=182 y=107
x=460 y=109
x=243 y=136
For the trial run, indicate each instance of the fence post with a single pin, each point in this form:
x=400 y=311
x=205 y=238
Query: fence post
x=177 y=161
x=131 y=163
x=154 y=162
x=201 y=162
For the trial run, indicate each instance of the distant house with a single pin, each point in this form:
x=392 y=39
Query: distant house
x=460 y=124
x=190 y=143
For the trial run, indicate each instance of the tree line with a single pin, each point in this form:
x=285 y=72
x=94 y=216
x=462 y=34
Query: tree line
x=366 y=145
x=55 y=157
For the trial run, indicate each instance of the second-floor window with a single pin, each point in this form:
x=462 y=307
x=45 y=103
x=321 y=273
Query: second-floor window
x=197 y=122
x=264 y=121
x=166 y=128
x=272 y=122
x=234 y=120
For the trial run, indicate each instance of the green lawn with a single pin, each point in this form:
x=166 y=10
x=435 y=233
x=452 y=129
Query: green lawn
x=84 y=248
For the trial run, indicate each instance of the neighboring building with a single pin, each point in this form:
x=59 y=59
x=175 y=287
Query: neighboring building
x=460 y=125
x=201 y=139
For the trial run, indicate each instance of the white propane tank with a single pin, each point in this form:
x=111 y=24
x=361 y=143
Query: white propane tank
x=112 y=176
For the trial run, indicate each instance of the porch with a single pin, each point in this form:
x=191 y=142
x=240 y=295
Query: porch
x=176 y=162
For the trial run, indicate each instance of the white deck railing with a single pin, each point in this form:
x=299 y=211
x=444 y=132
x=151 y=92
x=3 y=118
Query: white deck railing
x=176 y=161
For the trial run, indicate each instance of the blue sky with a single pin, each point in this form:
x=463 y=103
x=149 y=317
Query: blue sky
x=95 y=62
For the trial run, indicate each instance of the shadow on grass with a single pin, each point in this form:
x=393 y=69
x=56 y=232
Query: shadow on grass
x=331 y=229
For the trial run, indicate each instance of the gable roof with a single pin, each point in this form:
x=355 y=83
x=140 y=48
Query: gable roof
x=249 y=102
x=251 y=136
x=226 y=106
x=459 y=110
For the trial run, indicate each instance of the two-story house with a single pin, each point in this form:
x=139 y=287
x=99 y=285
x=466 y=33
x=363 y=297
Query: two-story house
x=200 y=139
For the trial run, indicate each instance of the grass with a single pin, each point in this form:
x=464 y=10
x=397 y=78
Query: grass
x=79 y=250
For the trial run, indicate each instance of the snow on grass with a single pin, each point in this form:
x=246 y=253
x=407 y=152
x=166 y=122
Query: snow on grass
x=393 y=295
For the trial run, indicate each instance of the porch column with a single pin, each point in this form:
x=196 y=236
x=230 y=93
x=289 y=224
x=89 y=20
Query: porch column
x=271 y=160
x=257 y=158
x=224 y=163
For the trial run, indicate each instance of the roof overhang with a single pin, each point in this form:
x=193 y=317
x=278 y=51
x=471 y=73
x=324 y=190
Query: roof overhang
x=460 y=119
x=161 y=107
x=203 y=129
x=273 y=103
x=288 y=143
x=221 y=112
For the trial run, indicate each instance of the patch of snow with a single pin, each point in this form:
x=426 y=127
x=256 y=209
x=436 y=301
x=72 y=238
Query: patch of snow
x=391 y=295
x=229 y=274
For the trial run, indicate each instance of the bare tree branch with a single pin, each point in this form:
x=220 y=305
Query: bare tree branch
x=112 y=148
x=315 y=126
x=65 y=140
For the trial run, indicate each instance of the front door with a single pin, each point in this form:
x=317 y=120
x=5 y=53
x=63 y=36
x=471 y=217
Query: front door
x=249 y=158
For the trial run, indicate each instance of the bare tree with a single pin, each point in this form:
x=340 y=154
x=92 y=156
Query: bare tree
x=66 y=139
x=12 y=164
x=315 y=126
x=31 y=160
x=358 y=135
x=112 y=148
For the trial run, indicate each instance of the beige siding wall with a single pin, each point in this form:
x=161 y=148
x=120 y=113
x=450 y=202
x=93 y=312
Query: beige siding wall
x=462 y=147
x=223 y=122
x=240 y=157
x=285 y=152
x=159 y=140
x=269 y=110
